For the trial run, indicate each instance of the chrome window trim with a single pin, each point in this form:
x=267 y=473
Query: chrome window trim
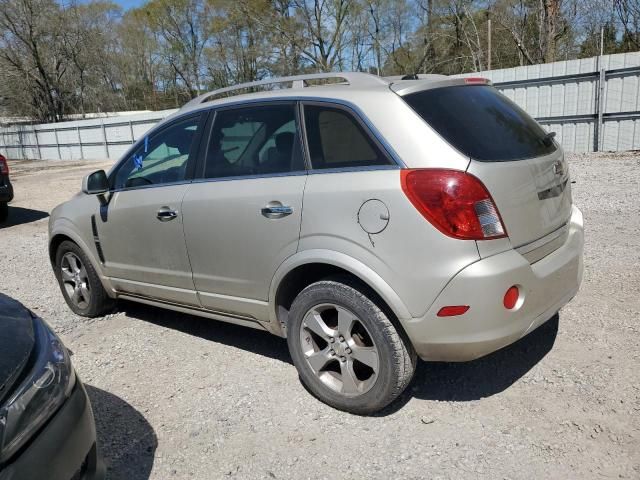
x=145 y=187
x=251 y=177
x=293 y=174
x=371 y=168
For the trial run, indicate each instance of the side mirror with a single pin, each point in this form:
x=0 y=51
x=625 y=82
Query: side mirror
x=95 y=183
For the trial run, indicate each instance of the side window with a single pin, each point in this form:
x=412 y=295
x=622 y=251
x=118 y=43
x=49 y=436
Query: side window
x=337 y=140
x=161 y=158
x=254 y=141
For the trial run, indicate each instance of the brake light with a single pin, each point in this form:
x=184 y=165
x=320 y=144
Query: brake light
x=4 y=167
x=453 y=201
x=476 y=81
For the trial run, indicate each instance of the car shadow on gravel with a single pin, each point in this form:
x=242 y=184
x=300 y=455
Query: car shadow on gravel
x=251 y=340
x=126 y=440
x=454 y=382
x=19 y=216
x=487 y=376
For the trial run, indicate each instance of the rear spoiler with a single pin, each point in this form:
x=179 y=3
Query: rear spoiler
x=405 y=87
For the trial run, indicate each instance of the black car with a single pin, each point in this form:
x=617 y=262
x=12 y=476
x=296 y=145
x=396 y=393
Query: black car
x=47 y=430
x=6 y=189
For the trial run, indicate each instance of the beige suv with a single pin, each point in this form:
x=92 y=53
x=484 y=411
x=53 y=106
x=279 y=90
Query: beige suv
x=368 y=221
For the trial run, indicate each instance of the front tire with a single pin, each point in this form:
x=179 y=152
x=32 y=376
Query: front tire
x=79 y=282
x=4 y=211
x=346 y=349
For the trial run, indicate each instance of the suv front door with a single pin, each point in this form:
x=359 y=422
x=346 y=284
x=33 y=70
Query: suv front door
x=242 y=217
x=141 y=230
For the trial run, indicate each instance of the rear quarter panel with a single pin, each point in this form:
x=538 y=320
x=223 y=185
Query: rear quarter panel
x=410 y=255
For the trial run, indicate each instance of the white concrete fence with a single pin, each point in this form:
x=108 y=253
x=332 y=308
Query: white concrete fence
x=592 y=104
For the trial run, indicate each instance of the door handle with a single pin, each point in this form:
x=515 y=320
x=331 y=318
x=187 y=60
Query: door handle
x=276 y=210
x=165 y=214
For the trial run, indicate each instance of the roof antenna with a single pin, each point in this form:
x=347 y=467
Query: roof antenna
x=411 y=76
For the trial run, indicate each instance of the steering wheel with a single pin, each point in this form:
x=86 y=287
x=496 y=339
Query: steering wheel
x=137 y=181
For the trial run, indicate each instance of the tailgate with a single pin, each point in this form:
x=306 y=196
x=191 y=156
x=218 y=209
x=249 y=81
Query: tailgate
x=519 y=163
x=533 y=196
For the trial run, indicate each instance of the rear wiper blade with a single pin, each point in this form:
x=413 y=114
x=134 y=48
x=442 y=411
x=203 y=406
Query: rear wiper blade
x=548 y=138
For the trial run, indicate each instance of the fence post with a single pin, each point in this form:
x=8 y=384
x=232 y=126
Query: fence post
x=104 y=136
x=55 y=133
x=602 y=80
x=35 y=134
x=80 y=142
x=21 y=140
x=133 y=140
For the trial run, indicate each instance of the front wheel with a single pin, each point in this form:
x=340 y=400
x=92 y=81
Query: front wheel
x=79 y=282
x=347 y=351
x=4 y=211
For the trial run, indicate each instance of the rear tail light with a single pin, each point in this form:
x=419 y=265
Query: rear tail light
x=454 y=202
x=4 y=167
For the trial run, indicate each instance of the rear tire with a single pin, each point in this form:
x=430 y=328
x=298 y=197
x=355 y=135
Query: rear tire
x=347 y=351
x=4 y=211
x=79 y=282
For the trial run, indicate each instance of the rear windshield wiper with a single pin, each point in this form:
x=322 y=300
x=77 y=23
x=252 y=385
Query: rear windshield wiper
x=548 y=138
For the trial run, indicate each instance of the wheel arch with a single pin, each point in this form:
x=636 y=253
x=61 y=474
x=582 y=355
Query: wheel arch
x=58 y=236
x=310 y=266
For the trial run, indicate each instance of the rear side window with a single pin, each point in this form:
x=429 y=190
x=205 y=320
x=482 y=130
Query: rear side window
x=337 y=140
x=481 y=123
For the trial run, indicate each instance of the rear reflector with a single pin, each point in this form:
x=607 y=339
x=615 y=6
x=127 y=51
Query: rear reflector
x=453 y=201
x=453 y=310
x=511 y=298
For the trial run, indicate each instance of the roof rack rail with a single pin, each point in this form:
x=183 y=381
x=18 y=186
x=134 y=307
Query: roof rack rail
x=359 y=79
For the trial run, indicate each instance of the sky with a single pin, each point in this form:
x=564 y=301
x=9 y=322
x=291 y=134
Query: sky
x=127 y=4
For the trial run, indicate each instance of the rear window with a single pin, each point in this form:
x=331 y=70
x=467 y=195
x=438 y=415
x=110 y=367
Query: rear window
x=336 y=140
x=481 y=123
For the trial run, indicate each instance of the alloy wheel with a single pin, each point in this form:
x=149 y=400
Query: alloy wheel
x=339 y=349
x=75 y=280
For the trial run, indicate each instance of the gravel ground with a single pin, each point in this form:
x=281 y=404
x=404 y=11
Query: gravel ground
x=177 y=396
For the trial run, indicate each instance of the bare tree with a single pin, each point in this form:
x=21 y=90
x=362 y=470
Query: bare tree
x=30 y=50
x=65 y=58
x=628 y=12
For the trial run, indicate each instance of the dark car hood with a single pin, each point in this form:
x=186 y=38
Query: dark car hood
x=16 y=341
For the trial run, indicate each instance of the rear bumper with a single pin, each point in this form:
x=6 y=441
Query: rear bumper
x=545 y=286
x=64 y=449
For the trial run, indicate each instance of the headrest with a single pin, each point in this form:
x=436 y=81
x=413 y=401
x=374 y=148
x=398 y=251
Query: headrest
x=284 y=141
x=180 y=139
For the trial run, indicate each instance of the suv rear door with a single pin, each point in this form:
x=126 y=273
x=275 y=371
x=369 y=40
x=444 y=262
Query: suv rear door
x=521 y=166
x=242 y=216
